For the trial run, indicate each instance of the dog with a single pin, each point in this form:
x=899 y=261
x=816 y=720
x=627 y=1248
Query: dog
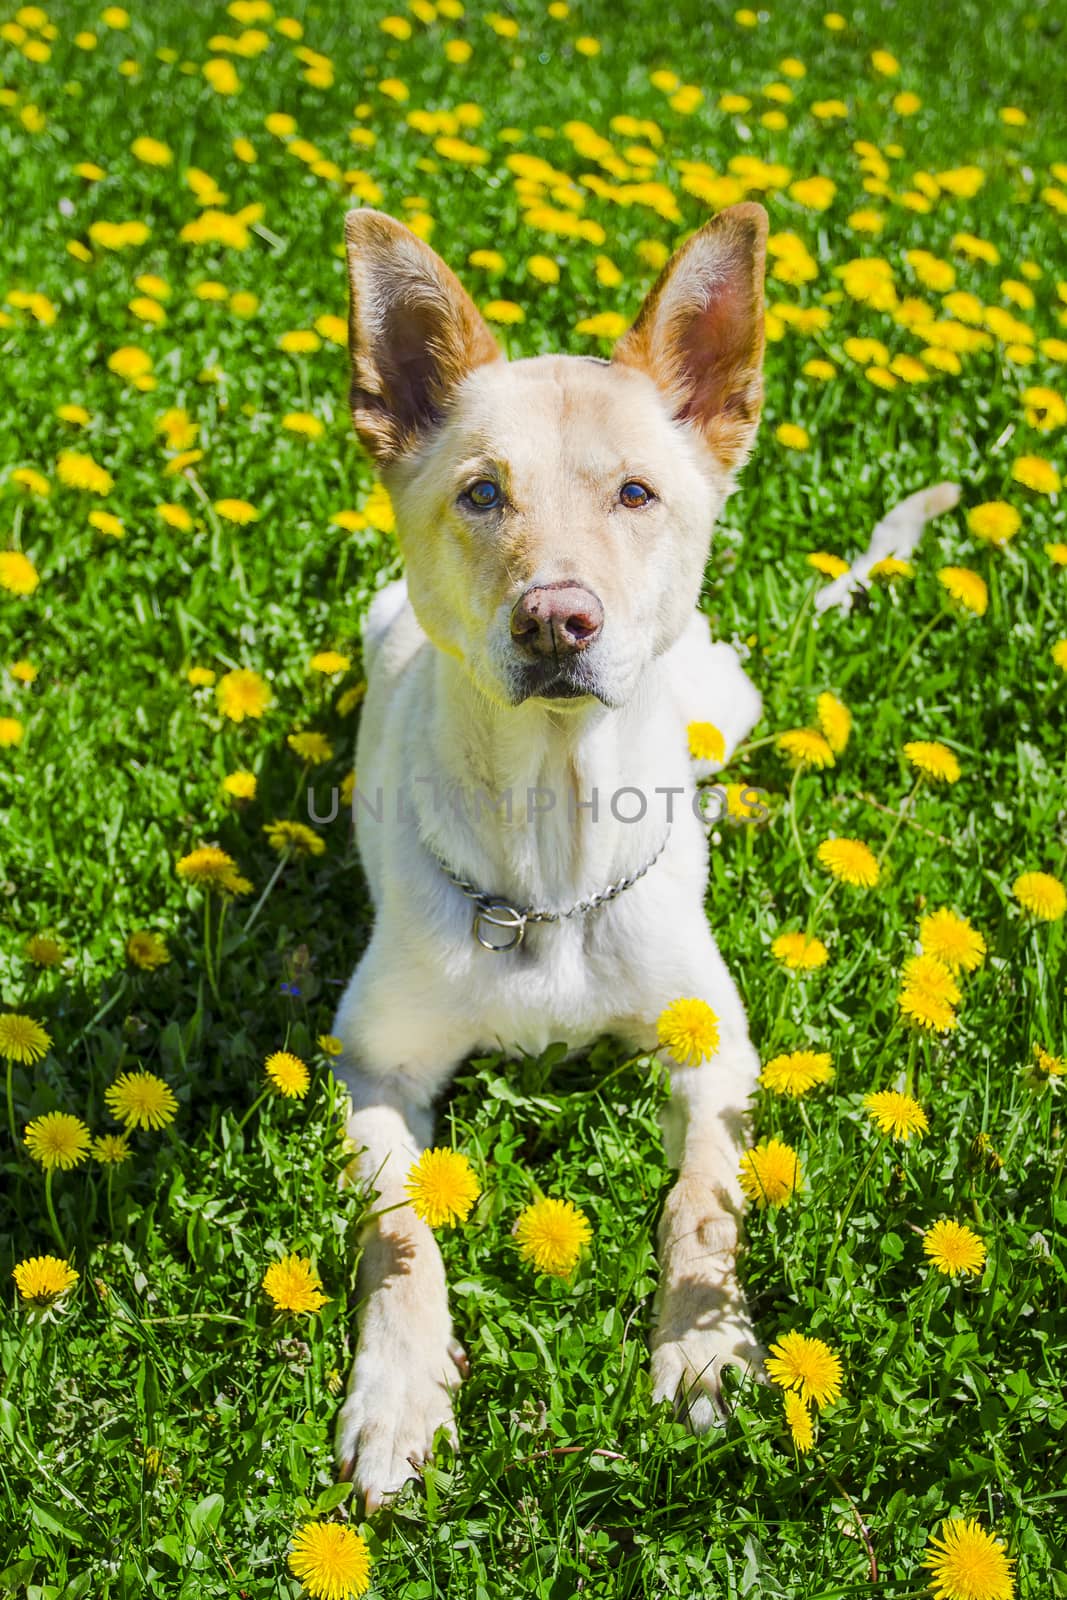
x=523 y=750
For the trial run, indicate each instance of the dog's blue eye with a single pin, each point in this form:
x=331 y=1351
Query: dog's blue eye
x=484 y=495
x=634 y=494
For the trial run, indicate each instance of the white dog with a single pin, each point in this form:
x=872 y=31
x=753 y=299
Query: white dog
x=524 y=742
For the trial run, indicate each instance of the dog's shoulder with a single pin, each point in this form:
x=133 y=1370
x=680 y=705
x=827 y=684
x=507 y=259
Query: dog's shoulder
x=391 y=632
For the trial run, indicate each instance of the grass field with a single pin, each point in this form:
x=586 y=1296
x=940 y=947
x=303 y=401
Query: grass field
x=182 y=500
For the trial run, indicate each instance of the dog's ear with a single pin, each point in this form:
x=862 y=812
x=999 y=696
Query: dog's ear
x=699 y=334
x=414 y=333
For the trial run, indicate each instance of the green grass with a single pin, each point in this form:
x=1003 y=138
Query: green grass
x=164 y=1433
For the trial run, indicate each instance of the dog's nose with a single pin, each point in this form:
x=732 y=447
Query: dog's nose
x=557 y=619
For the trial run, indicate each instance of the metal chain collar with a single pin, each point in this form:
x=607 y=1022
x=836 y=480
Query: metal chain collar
x=500 y=913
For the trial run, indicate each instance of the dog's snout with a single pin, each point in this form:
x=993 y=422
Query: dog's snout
x=556 y=619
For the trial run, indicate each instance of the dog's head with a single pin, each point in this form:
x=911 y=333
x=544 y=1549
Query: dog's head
x=554 y=513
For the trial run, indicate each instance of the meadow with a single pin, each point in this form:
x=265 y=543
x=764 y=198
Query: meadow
x=190 y=539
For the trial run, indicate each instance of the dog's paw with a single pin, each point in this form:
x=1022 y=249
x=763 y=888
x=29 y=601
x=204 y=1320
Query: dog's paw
x=398 y=1397
x=687 y=1371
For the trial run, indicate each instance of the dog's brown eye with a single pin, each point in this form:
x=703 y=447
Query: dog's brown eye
x=634 y=494
x=484 y=495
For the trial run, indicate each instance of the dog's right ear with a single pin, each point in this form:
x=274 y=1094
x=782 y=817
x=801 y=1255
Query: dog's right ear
x=414 y=334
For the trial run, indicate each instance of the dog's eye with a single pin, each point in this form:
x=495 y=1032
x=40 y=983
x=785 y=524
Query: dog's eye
x=484 y=495
x=634 y=494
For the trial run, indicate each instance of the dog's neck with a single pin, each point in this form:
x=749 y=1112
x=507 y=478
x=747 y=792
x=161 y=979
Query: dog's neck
x=547 y=803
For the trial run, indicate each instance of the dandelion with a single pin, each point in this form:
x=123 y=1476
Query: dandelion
x=933 y=760
x=798 y=1420
x=805 y=748
x=968 y=589
x=288 y=1075
x=850 y=861
x=792 y=436
x=240 y=512
x=835 y=720
x=294 y=838
x=798 y=1072
x=42 y=1280
x=147 y=950
x=551 y=1234
x=312 y=747
x=954 y=1249
x=329 y=663
x=799 y=952
x=22 y=1039
x=967 y=1563
x=770 y=1174
x=952 y=940
x=43 y=951
x=706 y=743
x=32 y=481
x=82 y=472
x=926 y=1009
x=1042 y=895
x=1052 y=1066
x=896 y=1115
x=57 y=1140
x=331 y=1560
x=293 y=1285
x=1033 y=472
x=110 y=1149
x=442 y=1186
x=211 y=868
x=329 y=1044
x=689 y=1030
x=1059 y=654
x=995 y=522
x=11 y=732
x=830 y=566
x=141 y=1100
x=18 y=575
x=240 y=785
x=807 y=1366
x=242 y=694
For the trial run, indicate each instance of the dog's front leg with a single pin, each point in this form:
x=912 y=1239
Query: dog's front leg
x=702 y=1321
x=407 y=1362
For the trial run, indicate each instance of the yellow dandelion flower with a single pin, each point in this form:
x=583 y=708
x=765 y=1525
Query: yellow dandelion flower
x=1034 y=472
x=242 y=694
x=18 y=575
x=32 y=481
x=1057 y=553
x=798 y=1420
x=896 y=1115
x=331 y=1560
x=792 y=436
x=147 y=950
x=211 y=868
x=967 y=1563
x=805 y=748
x=1059 y=654
x=706 y=743
x=551 y=1234
x=835 y=720
x=329 y=662
x=287 y=1074
x=305 y=423
x=43 y=1279
x=929 y=973
x=311 y=747
x=850 y=861
x=926 y=1009
x=240 y=785
x=770 y=1174
x=78 y=471
x=954 y=1249
x=111 y=1149
x=994 y=521
x=891 y=568
x=442 y=1186
x=952 y=940
x=799 y=952
x=967 y=588
x=329 y=1044
x=107 y=522
x=606 y=325
x=689 y=1030
x=240 y=512
x=1042 y=895
x=300 y=342
x=22 y=1039
x=806 y=1365
x=141 y=1100
x=1052 y=1066
x=57 y=1140
x=933 y=760
x=44 y=951
x=829 y=565
x=295 y=837
x=796 y=1073
x=293 y=1285
x=200 y=677
x=23 y=671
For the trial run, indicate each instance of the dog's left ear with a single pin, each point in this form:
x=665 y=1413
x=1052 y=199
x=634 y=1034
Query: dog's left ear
x=699 y=334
